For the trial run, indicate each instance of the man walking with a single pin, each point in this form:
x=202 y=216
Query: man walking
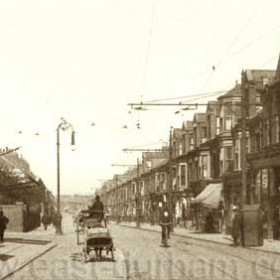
x=3 y=225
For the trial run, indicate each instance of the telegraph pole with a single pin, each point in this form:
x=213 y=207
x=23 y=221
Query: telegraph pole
x=117 y=200
x=170 y=182
x=138 y=196
x=243 y=143
x=127 y=165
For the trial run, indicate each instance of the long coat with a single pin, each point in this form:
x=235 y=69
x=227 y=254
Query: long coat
x=237 y=225
x=3 y=222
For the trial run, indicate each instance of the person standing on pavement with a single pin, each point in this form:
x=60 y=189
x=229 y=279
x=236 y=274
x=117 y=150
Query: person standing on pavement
x=209 y=222
x=3 y=225
x=236 y=226
x=184 y=215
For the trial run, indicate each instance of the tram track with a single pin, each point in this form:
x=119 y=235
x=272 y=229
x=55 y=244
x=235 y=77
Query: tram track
x=224 y=252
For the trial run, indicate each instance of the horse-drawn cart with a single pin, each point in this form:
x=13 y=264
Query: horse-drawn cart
x=96 y=237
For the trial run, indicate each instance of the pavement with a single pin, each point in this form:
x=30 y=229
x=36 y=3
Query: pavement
x=41 y=254
x=20 y=249
x=269 y=245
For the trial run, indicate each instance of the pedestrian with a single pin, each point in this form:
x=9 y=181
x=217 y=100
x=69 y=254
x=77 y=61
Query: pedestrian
x=3 y=225
x=236 y=226
x=209 y=222
x=184 y=215
x=45 y=221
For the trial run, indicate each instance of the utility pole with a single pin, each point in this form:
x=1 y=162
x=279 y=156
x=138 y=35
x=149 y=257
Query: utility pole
x=170 y=181
x=138 y=196
x=117 y=200
x=123 y=165
x=243 y=143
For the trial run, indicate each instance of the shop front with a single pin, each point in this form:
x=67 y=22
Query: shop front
x=265 y=188
x=208 y=209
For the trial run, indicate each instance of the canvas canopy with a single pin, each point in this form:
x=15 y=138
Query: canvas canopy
x=210 y=197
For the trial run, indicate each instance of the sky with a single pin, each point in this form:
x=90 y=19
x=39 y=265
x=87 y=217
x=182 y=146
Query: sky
x=86 y=60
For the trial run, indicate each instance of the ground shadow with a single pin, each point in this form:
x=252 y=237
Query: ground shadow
x=80 y=258
x=5 y=257
x=27 y=241
x=164 y=246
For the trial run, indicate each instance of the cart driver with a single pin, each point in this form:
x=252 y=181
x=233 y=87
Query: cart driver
x=97 y=209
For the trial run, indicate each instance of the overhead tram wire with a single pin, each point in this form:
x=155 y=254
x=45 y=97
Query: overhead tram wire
x=197 y=97
x=233 y=54
x=254 y=41
x=214 y=67
x=188 y=96
x=148 y=50
x=236 y=37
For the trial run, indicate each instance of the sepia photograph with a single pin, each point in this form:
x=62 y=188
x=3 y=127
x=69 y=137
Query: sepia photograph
x=140 y=139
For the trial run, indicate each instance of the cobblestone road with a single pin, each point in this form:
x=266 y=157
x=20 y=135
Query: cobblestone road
x=190 y=259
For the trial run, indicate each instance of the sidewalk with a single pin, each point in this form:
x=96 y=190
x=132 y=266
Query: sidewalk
x=41 y=254
x=21 y=248
x=269 y=246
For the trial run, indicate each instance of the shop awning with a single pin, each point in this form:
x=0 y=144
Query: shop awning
x=210 y=197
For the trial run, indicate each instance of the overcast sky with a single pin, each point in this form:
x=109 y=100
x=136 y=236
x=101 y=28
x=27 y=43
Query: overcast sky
x=85 y=60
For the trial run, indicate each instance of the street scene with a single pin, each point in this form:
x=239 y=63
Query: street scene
x=140 y=139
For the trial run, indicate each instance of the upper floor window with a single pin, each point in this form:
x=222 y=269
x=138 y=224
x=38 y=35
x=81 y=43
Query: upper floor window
x=275 y=129
x=228 y=159
x=182 y=175
x=267 y=132
x=204 y=134
x=204 y=165
x=228 y=123
x=258 y=141
x=180 y=148
x=217 y=126
x=191 y=143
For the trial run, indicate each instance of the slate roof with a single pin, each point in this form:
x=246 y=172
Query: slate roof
x=258 y=75
x=235 y=92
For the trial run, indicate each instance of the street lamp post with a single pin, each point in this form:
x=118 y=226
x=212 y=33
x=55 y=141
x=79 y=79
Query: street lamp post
x=64 y=125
